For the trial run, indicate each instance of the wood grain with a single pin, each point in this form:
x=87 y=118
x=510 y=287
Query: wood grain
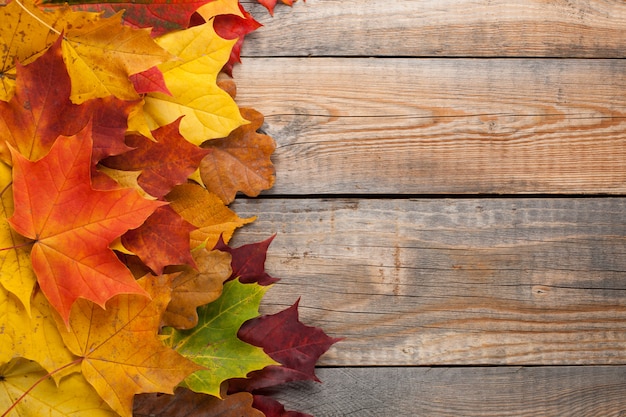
x=415 y=126
x=441 y=282
x=530 y=28
x=469 y=392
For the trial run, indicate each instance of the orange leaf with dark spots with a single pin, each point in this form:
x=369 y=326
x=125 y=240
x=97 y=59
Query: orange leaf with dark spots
x=73 y=224
x=240 y=162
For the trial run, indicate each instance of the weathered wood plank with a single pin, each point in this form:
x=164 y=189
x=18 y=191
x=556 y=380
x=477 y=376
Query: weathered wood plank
x=481 y=392
x=464 y=281
x=442 y=125
x=537 y=28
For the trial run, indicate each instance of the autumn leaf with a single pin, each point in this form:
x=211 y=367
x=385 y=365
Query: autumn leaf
x=213 y=343
x=41 y=110
x=248 y=262
x=186 y=403
x=205 y=211
x=164 y=163
x=72 y=224
x=121 y=350
x=162 y=240
x=209 y=111
x=192 y=288
x=284 y=338
x=73 y=396
x=231 y=26
x=240 y=162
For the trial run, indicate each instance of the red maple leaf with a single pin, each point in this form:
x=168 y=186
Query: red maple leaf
x=164 y=164
x=248 y=261
x=229 y=26
x=162 y=240
x=41 y=110
x=285 y=339
x=73 y=224
x=270 y=4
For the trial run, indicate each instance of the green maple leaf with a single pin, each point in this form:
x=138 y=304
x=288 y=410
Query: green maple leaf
x=213 y=343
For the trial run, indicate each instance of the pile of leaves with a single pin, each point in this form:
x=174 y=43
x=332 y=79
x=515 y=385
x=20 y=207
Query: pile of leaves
x=120 y=151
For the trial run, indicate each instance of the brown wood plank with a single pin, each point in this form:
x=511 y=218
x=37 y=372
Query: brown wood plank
x=481 y=392
x=442 y=125
x=537 y=28
x=463 y=281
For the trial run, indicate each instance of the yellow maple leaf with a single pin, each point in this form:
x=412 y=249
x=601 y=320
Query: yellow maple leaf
x=73 y=396
x=100 y=57
x=122 y=353
x=192 y=79
x=218 y=7
x=207 y=212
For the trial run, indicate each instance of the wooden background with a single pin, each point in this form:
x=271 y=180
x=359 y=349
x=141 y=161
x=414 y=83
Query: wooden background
x=450 y=198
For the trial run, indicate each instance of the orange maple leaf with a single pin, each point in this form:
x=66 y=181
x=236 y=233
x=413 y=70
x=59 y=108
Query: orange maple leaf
x=122 y=354
x=73 y=224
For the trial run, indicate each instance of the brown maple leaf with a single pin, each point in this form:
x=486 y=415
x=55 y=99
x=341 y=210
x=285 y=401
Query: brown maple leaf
x=193 y=288
x=240 y=162
x=72 y=224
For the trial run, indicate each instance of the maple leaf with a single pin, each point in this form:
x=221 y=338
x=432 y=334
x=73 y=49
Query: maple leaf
x=41 y=110
x=209 y=111
x=73 y=396
x=231 y=26
x=207 y=212
x=164 y=163
x=121 y=350
x=240 y=162
x=186 y=403
x=272 y=408
x=284 y=338
x=248 y=261
x=162 y=240
x=213 y=343
x=193 y=288
x=72 y=224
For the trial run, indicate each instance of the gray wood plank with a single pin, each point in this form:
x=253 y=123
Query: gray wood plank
x=440 y=282
x=596 y=391
x=415 y=126
x=537 y=28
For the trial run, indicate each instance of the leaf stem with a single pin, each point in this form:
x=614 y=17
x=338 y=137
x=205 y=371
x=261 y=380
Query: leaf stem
x=21 y=245
x=39 y=381
x=39 y=20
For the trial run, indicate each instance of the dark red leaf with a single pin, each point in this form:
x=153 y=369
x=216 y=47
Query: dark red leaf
x=285 y=339
x=150 y=81
x=164 y=164
x=162 y=240
x=249 y=262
